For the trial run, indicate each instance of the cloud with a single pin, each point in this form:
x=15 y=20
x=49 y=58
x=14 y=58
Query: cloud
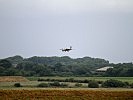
x=41 y=7
x=78 y=6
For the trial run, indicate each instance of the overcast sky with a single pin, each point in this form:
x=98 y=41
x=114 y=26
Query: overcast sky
x=94 y=28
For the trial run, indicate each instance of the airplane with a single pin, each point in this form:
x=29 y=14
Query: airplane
x=66 y=49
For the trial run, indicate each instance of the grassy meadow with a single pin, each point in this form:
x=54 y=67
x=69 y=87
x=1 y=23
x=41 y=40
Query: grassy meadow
x=30 y=91
x=33 y=81
x=123 y=79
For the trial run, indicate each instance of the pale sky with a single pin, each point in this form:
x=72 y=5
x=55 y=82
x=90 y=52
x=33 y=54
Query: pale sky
x=94 y=28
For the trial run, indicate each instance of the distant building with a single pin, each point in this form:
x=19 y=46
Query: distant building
x=103 y=69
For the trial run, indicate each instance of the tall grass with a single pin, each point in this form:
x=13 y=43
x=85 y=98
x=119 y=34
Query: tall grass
x=65 y=95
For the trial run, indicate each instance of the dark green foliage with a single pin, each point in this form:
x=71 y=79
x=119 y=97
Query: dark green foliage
x=67 y=80
x=6 y=68
x=53 y=84
x=58 y=61
x=40 y=79
x=25 y=65
x=93 y=84
x=61 y=66
x=66 y=66
x=131 y=85
x=43 y=85
x=7 y=72
x=58 y=67
x=129 y=72
x=5 y=63
x=114 y=83
x=54 y=66
x=17 y=85
x=15 y=59
x=1 y=71
x=120 y=70
x=126 y=83
x=63 y=85
x=85 y=81
x=58 y=84
x=10 y=72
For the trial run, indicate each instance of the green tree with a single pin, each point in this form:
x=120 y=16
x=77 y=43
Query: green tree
x=15 y=59
x=1 y=71
x=11 y=72
x=129 y=72
x=26 y=65
x=93 y=84
x=5 y=63
x=17 y=85
x=113 y=83
x=58 y=67
x=43 y=85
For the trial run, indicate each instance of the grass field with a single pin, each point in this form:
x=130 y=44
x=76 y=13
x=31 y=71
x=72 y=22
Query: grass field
x=13 y=79
x=66 y=94
x=123 y=79
x=33 y=84
x=33 y=81
x=29 y=91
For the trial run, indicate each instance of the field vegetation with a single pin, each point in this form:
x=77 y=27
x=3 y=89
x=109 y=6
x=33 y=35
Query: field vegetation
x=65 y=94
x=13 y=79
x=68 y=82
x=56 y=90
x=123 y=79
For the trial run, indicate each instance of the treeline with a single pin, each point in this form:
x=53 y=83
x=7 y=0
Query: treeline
x=61 y=66
x=120 y=70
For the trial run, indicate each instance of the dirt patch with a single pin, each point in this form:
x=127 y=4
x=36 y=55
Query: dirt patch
x=13 y=79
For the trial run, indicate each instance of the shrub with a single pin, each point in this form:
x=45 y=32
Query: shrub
x=41 y=79
x=131 y=85
x=71 y=80
x=63 y=85
x=43 y=85
x=17 y=85
x=113 y=83
x=85 y=81
x=100 y=82
x=93 y=84
x=126 y=84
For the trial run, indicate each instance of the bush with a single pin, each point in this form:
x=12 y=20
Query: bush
x=100 y=82
x=113 y=83
x=40 y=79
x=63 y=85
x=43 y=85
x=85 y=81
x=93 y=84
x=131 y=85
x=17 y=85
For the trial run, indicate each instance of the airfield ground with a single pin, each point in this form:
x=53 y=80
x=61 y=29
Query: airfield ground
x=29 y=91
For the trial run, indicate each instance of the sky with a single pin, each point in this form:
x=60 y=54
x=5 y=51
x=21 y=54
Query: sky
x=94 y=28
